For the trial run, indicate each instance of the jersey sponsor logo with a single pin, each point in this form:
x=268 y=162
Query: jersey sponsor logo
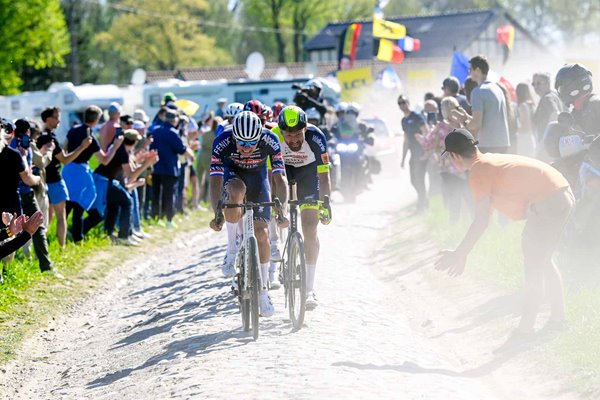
x=270 y=141
x=215 y=160
x=222 y=144
x=277 y=157
x=319 y=142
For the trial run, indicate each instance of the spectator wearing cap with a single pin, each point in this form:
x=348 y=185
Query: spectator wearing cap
x=22 y=143
x=488 y=123
x=451 y=87
x=414 y=123
x=221 y=104
x=109 y=129
x=58 y=194
x=121 y=174
x=167 y=142
x=521 y=188
x=140 y=115
x=78 y=175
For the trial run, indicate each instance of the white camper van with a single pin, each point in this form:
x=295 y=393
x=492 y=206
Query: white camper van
x=206 y=93
x=72 y=101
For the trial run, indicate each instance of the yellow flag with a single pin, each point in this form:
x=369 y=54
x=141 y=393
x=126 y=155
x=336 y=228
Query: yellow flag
x=189 y=107
x=387 y=30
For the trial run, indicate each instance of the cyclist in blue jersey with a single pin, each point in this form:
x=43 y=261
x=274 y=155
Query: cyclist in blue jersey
x=304 y=149
x=238 y=170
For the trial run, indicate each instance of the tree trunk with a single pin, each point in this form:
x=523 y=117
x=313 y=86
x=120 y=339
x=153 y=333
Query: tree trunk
x=276 y=6
x=72 y=26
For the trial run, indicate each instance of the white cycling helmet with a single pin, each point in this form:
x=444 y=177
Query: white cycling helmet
x=340 y=107
x=313 y=113
x=353 y=108
x=247 y=126
x=233 y=109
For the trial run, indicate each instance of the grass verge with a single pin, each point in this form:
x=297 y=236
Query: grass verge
x=28 y=298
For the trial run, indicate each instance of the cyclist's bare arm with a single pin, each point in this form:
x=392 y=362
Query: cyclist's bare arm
x=280 y=187
x=324 y=185
x=216 y=189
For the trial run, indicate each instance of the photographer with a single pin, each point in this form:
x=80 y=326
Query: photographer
x=309 y=96
x=22 y=143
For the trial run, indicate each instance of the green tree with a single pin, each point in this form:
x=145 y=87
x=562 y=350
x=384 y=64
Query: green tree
x=160 y=35
x=34 y=36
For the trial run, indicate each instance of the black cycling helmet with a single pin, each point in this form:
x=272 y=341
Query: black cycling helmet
x=292 y=119
x=572 y=82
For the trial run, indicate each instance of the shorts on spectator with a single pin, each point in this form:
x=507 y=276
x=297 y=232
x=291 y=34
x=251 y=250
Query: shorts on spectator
x=58 y=192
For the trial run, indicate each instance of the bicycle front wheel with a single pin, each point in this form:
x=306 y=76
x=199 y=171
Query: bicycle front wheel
x=253 y=269
x=296 y=280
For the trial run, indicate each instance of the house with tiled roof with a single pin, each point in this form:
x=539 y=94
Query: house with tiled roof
x=469 y=32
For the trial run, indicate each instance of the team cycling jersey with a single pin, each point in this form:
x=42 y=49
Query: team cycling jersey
x=305 y=165
x=226 y=157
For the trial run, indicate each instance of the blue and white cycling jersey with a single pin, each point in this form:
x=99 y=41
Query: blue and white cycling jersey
x=225 y=155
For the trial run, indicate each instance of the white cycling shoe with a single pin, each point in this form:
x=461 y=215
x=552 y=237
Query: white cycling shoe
x=266 y=307
x=228 y=267
x=311 y=301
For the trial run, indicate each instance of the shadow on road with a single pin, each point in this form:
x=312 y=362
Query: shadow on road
x=189 y=347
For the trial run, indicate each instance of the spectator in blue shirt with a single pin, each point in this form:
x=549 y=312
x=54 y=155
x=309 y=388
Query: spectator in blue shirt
x=167 y=142
x=78 y=175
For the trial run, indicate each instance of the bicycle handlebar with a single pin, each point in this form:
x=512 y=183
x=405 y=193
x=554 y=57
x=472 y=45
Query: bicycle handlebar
x=248 y=205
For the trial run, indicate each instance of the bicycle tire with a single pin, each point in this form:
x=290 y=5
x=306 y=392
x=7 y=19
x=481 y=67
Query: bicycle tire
x=243 y=298
x=296 y=280
x=253 y=268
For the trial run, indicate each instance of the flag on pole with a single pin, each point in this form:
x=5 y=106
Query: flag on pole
x=389 y=51
x=505 y=35
x=409 y=44
x=387 y=30
x=460 y=67
x=351 y=41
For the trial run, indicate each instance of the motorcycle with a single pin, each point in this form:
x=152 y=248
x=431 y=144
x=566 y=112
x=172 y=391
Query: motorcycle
x=355 y=167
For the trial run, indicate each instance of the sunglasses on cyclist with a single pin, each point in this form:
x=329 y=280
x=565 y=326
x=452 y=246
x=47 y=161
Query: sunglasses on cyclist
x=247 y=143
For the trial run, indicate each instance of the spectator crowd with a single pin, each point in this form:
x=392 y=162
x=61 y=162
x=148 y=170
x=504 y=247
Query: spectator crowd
x=111 y=171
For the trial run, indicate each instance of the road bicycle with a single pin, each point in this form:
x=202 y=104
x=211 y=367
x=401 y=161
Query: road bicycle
x=247 y=279
x=292 y=272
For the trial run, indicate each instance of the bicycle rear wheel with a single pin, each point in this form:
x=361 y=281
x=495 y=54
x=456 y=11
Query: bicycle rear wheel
x=296 y=280
x=253 y=266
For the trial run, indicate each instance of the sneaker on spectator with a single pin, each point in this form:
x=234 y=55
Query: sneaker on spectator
x=124 y=242
x=228 y=267
x=275 y=252
x=54 y=271
x=311 y=301
x=266 y=307
x=274 y=283
x=141 y=233
x=171 y=225
x=135 y=239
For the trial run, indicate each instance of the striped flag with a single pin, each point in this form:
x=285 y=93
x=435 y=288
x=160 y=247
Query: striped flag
x=389 y=51
x=351 y=41
x=409 y=44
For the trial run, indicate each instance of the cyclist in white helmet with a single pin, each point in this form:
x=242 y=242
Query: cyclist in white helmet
x=230 y=112
x=238 y=171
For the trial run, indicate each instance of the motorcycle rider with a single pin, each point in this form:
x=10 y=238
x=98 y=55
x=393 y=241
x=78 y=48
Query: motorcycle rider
x=310 y=96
